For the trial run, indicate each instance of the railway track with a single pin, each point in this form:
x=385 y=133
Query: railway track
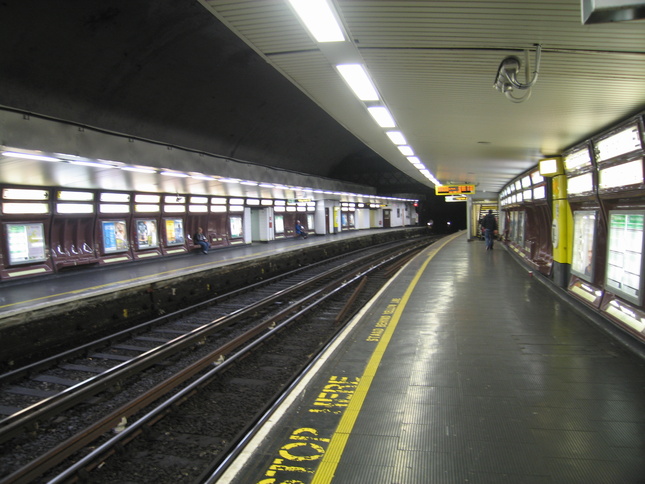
x=131 y=380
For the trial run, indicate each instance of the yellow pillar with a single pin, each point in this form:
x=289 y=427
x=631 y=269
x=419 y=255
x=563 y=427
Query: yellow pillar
x=561 y=231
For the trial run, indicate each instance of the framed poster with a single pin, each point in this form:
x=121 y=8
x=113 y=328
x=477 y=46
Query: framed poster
x=584 y=236
x=115 y=236
x=147 y=235
x=625 y=254
x=26 y=242
x=236 y=226
x=174 y=231
x=279 y=224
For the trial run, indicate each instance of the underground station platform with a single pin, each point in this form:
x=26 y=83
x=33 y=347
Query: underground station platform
x=464 y=368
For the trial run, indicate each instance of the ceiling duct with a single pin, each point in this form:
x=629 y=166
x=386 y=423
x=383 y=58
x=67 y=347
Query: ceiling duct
x=602 y=11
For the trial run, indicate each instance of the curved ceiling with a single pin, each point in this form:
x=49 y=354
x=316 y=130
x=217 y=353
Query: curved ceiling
x=243 y=79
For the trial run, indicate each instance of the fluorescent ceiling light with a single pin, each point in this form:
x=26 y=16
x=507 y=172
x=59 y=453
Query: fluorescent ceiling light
x=229 y=180
x=138 y=170
x=382 y=116
x=28 y=156
x=319 y=19
x=396 y=137
x=414 y=160
x=174 y=173
x=202 y=177
x=406 y=150
x=90 y=163
x=359 y=81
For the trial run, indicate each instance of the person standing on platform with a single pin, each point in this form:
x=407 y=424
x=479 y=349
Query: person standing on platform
x=201 y=239
x=489 y=224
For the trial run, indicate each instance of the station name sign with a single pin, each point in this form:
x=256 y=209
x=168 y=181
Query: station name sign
x=456 y=198
x=454 y=190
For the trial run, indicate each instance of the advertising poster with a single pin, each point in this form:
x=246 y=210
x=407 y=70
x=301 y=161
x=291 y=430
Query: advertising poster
x=175 y=231
x=279 y=224
x=147 y=234
x=584 y=233
x=625 y=251
x=236 y=227
x=26 y=243
x=115 y=236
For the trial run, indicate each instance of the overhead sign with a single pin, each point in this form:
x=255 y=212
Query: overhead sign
x=456 y=198
x=454 y=189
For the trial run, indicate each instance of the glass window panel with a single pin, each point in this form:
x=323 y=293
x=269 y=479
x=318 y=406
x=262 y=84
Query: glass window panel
x=147 y=198
x=174 y=208
x=27 y=208
x=621 y=175
x=142 y=207
x=580 y=184
x=74 y=208
x=625 y=141
x=198 y=208
x=115 y=197
x=577 y=159
x=24 y=194
x=75 y=196
x=114 y=208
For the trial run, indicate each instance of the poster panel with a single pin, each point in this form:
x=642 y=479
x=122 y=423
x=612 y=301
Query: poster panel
x=584 y=236
x=174 y=231
x=279 y=224
x=147 y=235
x=115 y=236
x=625 y=254
x=26 y=243
x=236 y=226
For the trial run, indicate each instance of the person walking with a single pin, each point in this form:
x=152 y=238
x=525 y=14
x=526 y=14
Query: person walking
x=489 y=224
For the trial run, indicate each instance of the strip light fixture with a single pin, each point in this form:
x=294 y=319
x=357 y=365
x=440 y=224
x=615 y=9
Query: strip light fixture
x=397 y=137
x=358 y=80
x=29 y=156
x=382 y=116
x=319 y=19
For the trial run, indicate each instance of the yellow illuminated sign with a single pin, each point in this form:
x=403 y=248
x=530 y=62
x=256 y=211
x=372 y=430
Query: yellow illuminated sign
x=454 y=189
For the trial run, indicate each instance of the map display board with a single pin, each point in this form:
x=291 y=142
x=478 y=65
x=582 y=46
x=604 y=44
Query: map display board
x=26 y=243
x=625 y=254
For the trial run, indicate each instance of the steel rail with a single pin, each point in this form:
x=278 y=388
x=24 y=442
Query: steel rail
x=28 y=418
x=287 y=316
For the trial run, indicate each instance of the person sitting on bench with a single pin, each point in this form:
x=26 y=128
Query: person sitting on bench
x=202 y=240
x=300 y=230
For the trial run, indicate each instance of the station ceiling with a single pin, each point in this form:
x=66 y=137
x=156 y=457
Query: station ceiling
x=242 y=79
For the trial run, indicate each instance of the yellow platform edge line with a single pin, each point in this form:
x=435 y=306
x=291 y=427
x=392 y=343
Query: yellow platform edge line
x=327 y=468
